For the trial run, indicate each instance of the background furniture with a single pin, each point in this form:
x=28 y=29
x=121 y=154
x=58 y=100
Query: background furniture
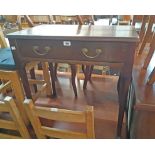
x=150 y=53
x=8 y=72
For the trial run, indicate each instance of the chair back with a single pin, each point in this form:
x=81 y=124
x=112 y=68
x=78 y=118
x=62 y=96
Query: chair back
x=3 y=43
x=9 y=126
x=62 y=115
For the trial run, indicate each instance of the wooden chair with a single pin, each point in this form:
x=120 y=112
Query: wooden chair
x=148 y=34
x=150 y=53
x=8 y=72
x=62 y=115
x=16 y=124
x=136 y=19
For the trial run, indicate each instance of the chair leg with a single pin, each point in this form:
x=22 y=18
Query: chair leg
x=90 y=71
x=151 y=52
x=73 y=75
x=47 y=78
x=32 y=74
x=51 y=68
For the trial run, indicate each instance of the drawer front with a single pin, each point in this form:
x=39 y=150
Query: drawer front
x=73 y=50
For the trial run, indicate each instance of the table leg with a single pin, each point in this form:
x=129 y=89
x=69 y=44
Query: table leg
x=90 y=72
x=123 y=86
x=55 y=71
x=23 y=75
x=86 y=74
x=51 y=68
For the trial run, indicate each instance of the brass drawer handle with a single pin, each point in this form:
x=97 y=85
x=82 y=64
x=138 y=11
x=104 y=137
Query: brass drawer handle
x=36 y=50
x=85 y=51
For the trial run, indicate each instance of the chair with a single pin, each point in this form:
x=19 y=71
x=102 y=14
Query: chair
x=151 y=78
x=8 y=73
x=148 y=34
x=12 y=126
x=150 y=53
x=63 y=115
x=77 y=20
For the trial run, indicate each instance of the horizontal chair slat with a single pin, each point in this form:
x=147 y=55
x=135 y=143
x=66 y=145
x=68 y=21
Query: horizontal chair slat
x=7 y=124
x=34 y=81
x=7 y=74
x=52 y=132
x=61 y=114
x=6 y=136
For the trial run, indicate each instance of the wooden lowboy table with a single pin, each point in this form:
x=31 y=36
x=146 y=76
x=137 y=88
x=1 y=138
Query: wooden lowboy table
x=114 y=45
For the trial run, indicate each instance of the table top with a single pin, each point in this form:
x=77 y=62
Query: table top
x=78 y=32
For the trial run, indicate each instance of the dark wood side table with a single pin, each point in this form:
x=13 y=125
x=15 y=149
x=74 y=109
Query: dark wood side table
x=112 y=45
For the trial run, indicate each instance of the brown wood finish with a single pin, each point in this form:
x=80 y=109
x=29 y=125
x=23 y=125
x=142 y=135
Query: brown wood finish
x=148 y=34
x=17 y=122
x=143 y=27
x=111 y=41
x=85 y=117
x=151 y=78
x=150 y=53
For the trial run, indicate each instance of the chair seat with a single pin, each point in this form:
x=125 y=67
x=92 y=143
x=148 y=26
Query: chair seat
x=6 y=59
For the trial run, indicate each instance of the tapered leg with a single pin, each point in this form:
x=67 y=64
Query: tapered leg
x=90 y=72
x=47 y=79
x=151 y=78
x=51 y=68
x=151 y=52
x=73 y=72
x=55 y=71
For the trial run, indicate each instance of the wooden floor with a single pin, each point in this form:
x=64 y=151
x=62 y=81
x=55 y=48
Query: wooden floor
x=102 y=94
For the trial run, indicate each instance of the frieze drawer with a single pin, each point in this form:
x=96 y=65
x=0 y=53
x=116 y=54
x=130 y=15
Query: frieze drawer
x=73 y=50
